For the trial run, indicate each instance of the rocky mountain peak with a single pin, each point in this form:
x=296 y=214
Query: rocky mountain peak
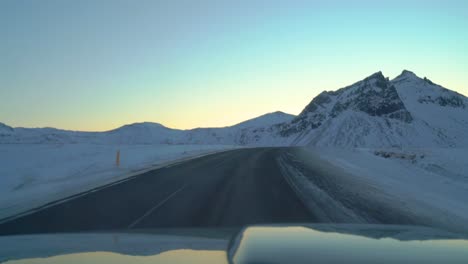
x=5 y=129
x=409 y=76
x=406 y=73
x=424 y=91
x=374 y=96
x=377 y=76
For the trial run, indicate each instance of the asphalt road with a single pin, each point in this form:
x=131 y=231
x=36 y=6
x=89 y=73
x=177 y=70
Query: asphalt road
x=229 y=189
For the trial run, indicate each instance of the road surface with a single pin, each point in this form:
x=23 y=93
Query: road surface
x=228 y=189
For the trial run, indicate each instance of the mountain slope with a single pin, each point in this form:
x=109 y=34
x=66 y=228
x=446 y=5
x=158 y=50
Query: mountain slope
x=141 y=133
x=374 y=112
x=266 y=120
x=377 y=112
x=443 y=111
x=259 y=131
x=5 y=130
x=362 y=114
x=148 y=133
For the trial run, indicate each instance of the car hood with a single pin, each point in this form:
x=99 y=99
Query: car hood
x=298 y=243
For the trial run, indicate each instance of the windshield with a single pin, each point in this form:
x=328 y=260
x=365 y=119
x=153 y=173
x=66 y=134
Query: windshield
x=241 y=131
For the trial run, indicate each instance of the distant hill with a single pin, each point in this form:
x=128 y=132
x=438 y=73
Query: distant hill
x=373 y=112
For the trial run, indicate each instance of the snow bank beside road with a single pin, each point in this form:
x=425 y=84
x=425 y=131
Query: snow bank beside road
x=434 y=185
x=34 y=174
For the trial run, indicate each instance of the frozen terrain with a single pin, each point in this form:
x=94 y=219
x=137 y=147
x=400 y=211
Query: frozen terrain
x=40 y=165
x=152 y=133
x=377 y=112
x=406 y=135
x=431 y=184
x=35 y=174
x=374 y=112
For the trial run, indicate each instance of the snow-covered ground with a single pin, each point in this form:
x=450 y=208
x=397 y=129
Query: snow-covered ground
x=35 y=174
x=255 y=131
x=376 y=112
x=431 y=183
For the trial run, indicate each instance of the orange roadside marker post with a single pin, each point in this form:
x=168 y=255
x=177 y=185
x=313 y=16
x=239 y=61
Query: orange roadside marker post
x=117 y=158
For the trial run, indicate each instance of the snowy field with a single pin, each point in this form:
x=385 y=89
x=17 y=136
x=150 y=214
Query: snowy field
x=427 y=182
x=35 y=174
x=431 y=183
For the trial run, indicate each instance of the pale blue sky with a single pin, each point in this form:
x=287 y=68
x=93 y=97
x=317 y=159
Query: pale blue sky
x=96 y=65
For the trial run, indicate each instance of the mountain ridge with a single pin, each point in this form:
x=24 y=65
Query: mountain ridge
x=373 y=112
x=396 y=118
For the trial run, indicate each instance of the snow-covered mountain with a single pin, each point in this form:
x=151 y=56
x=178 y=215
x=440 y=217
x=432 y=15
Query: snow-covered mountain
x=266 y=120
x=378 y=112
x=5 y=130
x=140 y=133
x=259 y=131
x=374 y=112
x=439 y=111
x=148 y=133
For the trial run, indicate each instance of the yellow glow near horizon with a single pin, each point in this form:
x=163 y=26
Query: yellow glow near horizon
x=215 y=65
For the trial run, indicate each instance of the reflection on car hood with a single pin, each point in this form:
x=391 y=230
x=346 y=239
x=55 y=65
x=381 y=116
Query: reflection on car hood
x=347 y=244
x=317 y=243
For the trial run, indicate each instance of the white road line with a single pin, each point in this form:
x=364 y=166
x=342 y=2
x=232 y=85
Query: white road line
x=155 y=207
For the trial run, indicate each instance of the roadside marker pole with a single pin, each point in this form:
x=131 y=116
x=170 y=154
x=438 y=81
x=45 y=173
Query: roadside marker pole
x=117 y=158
